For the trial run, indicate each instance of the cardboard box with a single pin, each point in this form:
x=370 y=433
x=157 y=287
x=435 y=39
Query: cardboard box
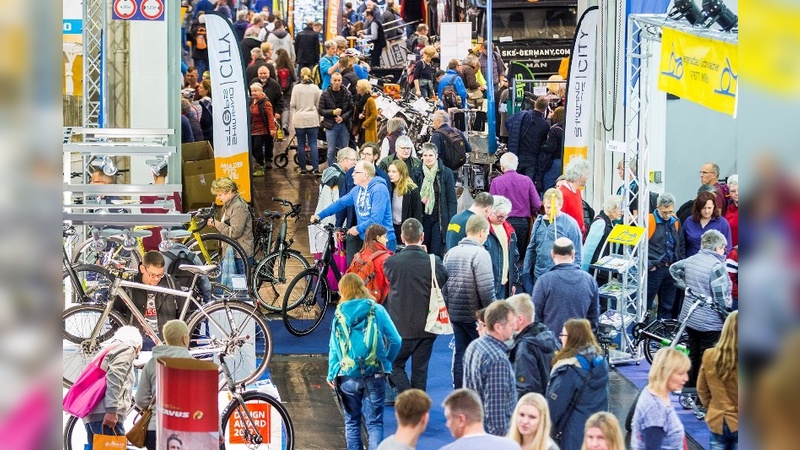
x=199 y=171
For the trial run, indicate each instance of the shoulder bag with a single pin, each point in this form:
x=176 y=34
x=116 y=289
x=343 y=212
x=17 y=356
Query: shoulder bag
x=88 y=390
x=438 y=321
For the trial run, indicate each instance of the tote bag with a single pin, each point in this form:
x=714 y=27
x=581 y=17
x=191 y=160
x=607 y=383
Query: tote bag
x=88 y=390
x=110 y=442
x=438 y=321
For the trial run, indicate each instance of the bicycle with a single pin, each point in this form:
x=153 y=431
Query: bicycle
x=86 y=281
x=227 y=326
x=281 y=160
x=244 y=419
x=270 y=273
x=308 y=294
x=109 y=245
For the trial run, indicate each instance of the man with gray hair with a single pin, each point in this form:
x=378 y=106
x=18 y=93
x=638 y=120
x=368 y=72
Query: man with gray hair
x=525 y=200
x=533 y=348
x=665 y=247
x=334 y=183
x=482 y=205
x=329 y=63
x=706 y=280
x=576 y=175
x=565 y=291
x=404 y=151
x=502 y=247
x=448 y=140
x=469 y=287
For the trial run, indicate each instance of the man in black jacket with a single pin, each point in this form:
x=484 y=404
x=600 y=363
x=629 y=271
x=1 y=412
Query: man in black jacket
x=439 y=137
x=336 y=108
x=306 y=47
x=533 y=348
x=410 y=279
x=665 y=247
x=527 y=131
x=274 y=93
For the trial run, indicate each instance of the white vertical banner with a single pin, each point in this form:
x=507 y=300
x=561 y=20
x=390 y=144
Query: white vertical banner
x=580 y=87
x=229 y=103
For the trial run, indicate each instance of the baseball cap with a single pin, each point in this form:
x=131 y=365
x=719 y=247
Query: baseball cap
x=351 y=52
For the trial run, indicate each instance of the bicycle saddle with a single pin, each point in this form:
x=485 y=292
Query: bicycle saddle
x=198 y=270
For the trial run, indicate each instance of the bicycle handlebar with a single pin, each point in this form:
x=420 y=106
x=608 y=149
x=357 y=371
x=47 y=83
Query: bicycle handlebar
x=295 y=208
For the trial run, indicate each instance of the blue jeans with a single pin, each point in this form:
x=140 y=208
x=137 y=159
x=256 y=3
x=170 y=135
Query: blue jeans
x=93 y=428
x=338 y=137
x=307 y=136
x=464 y=333
x=728 y=440
x=363 y=397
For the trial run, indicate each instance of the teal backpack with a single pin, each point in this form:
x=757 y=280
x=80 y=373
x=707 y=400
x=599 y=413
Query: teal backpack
x=359 y=344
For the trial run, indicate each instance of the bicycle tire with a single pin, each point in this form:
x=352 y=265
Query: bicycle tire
x=79 y=348
x=83 y=254
x=248 y=354
x=251 y=399
x=266 y=280
x=69 y=431
x=667 y=330
x=307 y=310
x=281 y=160
x=95 y=283
x=213 y=243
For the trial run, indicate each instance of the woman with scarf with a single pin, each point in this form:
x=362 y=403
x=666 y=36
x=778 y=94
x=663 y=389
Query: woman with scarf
x=438 y=196
x=365 y=125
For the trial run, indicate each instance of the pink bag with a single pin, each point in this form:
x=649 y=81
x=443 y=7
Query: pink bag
x=88 y=390
x=340 y=259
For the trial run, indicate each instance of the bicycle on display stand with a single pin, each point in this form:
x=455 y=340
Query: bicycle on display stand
x=280 y=263
x=308 y=295
x=230 y=326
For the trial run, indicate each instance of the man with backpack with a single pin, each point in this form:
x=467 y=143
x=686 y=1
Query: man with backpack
x=452 y=92
x=453 y=145
x=198 y=38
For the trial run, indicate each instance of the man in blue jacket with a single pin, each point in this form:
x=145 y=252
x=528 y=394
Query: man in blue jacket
x=371 y=200
x=452 y=77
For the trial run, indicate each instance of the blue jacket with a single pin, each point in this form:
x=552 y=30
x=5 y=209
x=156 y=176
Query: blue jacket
x=495 y=249
x=355 y=311
x=458 y=83
x=203 y=5
x=566 y=292
x=372 y=205
x=349 y=184
x=527 y=130
x=537 y=256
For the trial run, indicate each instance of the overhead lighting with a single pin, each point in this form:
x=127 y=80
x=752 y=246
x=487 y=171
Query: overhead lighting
x=687 y=9
x=716 y=11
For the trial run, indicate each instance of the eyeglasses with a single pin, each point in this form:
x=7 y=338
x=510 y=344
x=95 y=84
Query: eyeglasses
x=666 y=213
x=157 y=276
x=357 y=171
x=500 y=217
x=366 y=154
x=703 y=172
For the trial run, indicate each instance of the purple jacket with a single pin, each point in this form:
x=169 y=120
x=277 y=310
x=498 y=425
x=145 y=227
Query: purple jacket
x=692 y=232
x=518 y=188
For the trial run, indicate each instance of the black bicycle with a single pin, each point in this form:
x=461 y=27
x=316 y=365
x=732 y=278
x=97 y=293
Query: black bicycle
x=281 y=263
x=308 y=294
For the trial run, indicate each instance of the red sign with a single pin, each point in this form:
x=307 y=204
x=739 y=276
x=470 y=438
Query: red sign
x=152 y=9
x=124 y=9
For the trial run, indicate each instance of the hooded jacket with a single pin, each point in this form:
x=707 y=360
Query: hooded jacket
x=355 y=311
x=566 y=380
x=147 y=379
x=470 y=283
x=531 y=353
x=372 y=205
x=282 y=39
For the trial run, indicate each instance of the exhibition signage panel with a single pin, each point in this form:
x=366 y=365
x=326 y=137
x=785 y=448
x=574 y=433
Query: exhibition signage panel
x=229 y=104
x=137 y=10
x=186 y=404
x=580 y=87
x=700 y=69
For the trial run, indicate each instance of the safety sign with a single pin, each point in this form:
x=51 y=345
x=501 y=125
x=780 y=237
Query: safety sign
x=138 y=10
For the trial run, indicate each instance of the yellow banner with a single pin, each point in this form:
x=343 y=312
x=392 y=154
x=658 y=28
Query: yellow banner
x=699 y=69
x=626 y=234
x=237 y=168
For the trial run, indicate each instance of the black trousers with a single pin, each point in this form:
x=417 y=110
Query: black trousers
x=522 y=227
x=699 y=342
x=659 y=281
x=419 y=351
x=261 y=145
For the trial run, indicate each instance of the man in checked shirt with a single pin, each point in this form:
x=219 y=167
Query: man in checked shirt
x=488 y=371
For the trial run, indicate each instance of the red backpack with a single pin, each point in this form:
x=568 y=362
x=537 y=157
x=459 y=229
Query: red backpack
x=376 y=283
x=284 y=78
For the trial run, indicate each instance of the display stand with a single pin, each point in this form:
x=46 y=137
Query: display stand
x=622 y=293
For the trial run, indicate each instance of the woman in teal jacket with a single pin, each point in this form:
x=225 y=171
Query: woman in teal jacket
x=363 y=345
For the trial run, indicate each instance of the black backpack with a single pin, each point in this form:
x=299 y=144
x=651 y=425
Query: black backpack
x=180 y=254
x=454 y=153
x=449 y=96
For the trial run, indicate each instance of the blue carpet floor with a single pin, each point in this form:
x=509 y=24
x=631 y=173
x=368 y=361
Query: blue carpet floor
x=286 y=343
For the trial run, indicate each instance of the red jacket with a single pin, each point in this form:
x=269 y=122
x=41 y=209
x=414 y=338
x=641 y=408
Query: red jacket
x=573 y=206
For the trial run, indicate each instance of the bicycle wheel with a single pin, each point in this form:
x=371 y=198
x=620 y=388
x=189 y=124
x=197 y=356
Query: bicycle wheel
x=84 y=254
x=216 y=245
x=667 y=330
x=95 y=282
x=272 y=426
x=269 y=285
x=281 y=160
x=75 y=437
x=238 y=331
x=305 y=302
x=79 y=348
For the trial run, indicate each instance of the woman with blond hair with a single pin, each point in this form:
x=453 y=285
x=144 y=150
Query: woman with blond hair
x=236 y=221
x=602 y=432
x=406 y=201
x=718 y=386
x=655 y=423
x=423 y=73
x=530 y=423
x=365 y=126
x=363 y=345
x=578 y=383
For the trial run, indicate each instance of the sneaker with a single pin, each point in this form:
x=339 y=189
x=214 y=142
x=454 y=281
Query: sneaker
x=259 y=172
x=303 y=171
x=268 y=166
x=316 y=173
